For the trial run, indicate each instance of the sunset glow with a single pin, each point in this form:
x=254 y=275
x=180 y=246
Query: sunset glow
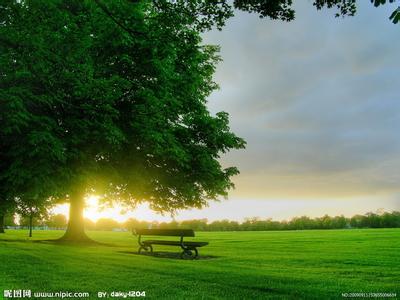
x=240 y=209
x=94 y=212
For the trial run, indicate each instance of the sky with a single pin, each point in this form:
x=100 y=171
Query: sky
x=317 y=101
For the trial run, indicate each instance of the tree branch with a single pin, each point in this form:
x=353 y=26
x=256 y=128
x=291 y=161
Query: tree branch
x=106 y=11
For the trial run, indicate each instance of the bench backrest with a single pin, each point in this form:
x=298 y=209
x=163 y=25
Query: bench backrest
x=165 y=232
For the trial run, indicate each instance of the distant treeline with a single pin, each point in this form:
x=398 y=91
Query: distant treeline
x=369 y=220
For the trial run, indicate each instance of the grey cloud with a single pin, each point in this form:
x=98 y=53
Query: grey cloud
x=316 y=100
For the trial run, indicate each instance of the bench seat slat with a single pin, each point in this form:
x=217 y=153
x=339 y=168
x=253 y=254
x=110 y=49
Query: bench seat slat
x=165 y=232
x=175 y=243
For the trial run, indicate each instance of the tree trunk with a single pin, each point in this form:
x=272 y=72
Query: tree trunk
x=75 y=230
x=2 y=217
x=30 y=224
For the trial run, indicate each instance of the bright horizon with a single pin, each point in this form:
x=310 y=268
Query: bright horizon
x=240 y=209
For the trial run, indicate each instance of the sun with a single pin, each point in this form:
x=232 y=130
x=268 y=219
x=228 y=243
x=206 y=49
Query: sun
x=92 y=201
x=93 y=211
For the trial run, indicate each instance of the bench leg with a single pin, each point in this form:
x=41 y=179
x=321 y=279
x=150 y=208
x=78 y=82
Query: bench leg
x=188 y=253
x=146 y=248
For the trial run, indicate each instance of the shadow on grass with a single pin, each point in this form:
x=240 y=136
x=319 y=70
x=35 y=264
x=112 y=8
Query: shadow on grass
x=72 y=243
x=16 y=240
x=58 y=242
x=168 y=255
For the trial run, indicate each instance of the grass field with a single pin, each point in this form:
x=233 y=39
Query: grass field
x=236 y=265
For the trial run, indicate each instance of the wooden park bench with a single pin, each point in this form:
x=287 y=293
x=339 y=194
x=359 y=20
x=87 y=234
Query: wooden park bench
x=188 y=247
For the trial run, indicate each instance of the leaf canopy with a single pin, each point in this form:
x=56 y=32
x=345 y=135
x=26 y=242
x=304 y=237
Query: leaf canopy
x=91 y=105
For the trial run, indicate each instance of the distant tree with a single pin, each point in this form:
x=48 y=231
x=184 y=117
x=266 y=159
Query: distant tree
x=174 y=224
x=234 y=225
x=325 y=222
x=339 y=222
x=107 y=224
x=390 y=220
x=246 y=225
x=383 y=220
x=31 y=209
x=132 y=224
x=273 y=225
x=303 y=222
x=89 y=224
x=163 y=225
x=9 y=219
x=222 y=225
x=56 y=221
x=372 y=220
x=356 y=221
x=26 y=221
x=199 y=224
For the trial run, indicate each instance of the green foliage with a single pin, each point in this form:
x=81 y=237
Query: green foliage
x=369 y=220
x=25 y=221
x=89 y=224
x=10 y=220
x=33 y=208
x=106 y=224
x=111 y=98
x=29 y=150
x=381 y=2
x=56 y=221
x=283 y=10
x=395 y=16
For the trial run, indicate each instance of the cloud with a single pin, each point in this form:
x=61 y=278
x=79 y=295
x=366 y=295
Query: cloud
x=316 y=100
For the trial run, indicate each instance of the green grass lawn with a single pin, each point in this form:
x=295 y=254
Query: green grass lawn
x=236 y=265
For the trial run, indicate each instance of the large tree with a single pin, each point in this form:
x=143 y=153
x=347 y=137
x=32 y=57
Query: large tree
x=109 y=97
x=125 y=111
